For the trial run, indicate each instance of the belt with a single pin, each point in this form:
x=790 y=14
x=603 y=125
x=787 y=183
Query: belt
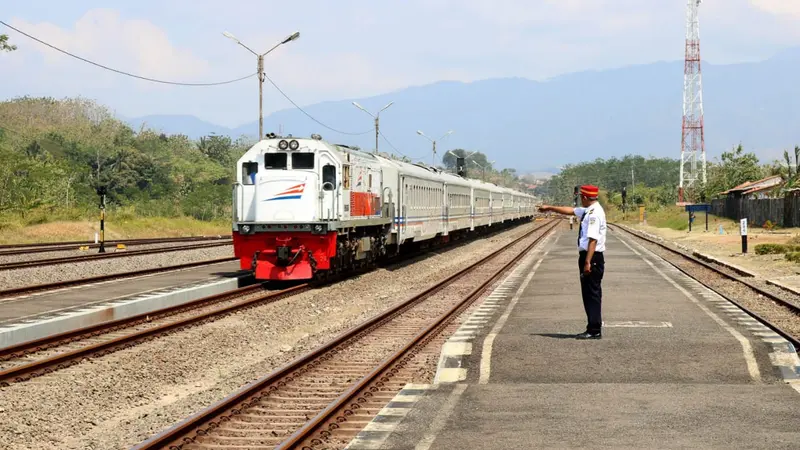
x=586 y=251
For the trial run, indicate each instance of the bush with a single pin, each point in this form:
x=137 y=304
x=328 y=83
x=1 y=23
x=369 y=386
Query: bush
x=771 y=249
x=793 y=256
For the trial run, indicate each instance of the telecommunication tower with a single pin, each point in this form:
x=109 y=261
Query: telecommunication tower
x=692 y=141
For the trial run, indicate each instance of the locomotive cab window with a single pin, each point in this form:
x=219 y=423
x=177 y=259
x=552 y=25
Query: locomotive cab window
x=249 y=171
x=346 y=176
x=275 y=160
x=328 y=177
x=302 y=161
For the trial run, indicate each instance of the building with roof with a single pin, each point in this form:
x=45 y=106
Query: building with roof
x=764 y=188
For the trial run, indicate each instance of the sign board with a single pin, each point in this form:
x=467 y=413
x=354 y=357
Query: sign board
x=698 y=208
x=743 y=227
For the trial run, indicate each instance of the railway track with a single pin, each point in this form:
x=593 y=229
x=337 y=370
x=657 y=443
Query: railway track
x=18 y=249
x=104 y=278
x=776 y=308
x=327 y=395
x=35 y=358
x=99 y=256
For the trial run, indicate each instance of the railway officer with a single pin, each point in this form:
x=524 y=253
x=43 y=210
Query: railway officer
x=591 y=264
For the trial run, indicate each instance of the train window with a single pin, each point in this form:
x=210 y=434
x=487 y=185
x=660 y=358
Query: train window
x=369 y=186
x=346 y=175
x=249 y=171
x=328 y=177
x=302 y=161
x=275 y=160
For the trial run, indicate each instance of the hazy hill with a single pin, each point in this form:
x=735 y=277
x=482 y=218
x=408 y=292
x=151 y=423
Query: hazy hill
x=538 y=126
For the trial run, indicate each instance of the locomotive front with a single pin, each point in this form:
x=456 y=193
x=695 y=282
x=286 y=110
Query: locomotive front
x=286 y=193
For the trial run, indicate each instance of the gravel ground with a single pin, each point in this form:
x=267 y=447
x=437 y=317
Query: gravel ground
x=70 y=271
x=121 y=399
x=779 y=315
x=4 y=259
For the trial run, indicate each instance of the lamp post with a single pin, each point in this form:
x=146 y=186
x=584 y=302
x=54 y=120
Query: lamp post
x=377 y=120
x=433 y=160
x=261 y=75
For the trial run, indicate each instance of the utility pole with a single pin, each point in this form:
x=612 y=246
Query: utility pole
x=433 y=160
x=377 y=120
x=377 y=127
x=261 y=75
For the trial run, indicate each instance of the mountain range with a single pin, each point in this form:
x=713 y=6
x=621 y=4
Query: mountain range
x=541 y=125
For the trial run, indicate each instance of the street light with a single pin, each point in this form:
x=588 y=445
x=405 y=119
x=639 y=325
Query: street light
x=433 y=160
x=377 y=120
x=261 y=74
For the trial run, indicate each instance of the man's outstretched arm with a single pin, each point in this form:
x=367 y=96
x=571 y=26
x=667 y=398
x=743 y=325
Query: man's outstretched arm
x=566 y=210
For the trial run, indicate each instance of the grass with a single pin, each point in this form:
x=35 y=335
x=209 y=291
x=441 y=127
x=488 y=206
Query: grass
x=18 y=231
x=674 y=218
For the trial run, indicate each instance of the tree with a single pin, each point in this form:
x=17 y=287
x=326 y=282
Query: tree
x=735 y=168
x=4 y=45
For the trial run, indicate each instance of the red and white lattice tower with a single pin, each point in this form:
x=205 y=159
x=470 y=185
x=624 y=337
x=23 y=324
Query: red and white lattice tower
x=692 y=142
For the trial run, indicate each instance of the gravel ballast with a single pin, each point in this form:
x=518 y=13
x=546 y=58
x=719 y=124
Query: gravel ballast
x=110 y=248
x=123 y=398
x=30 y=276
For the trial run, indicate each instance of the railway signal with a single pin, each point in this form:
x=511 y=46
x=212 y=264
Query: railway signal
x=624 y=196
x=101 y=191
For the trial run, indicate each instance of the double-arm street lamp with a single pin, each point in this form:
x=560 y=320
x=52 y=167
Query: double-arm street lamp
x=433 y=160
x=261 y=75
x=377 y=120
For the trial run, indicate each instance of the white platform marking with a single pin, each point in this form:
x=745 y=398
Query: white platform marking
x=486 y=354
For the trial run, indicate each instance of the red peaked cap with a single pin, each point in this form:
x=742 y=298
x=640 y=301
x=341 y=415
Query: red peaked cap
x=590 y=191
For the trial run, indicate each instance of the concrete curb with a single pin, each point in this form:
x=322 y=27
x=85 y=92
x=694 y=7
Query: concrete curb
x=43 y=325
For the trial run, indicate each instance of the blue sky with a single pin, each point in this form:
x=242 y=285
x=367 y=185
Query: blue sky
x=355 y=48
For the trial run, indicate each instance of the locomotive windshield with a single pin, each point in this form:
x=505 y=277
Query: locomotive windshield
x=302 y=161
x=275 y=160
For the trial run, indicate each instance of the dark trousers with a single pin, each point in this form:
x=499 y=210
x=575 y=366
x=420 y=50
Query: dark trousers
x=592 y=291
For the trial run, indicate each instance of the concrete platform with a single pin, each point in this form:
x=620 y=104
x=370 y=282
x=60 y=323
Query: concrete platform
x=37 y=315
x=678 y=367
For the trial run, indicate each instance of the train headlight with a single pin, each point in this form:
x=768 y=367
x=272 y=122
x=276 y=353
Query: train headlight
x=294 y=145
x=246 y=228
x=318 y=229
x=283 y=144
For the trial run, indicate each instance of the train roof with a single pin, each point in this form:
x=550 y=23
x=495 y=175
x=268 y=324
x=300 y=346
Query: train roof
x=419 y=170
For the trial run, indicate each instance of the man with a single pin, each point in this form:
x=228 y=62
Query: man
x=591 y=264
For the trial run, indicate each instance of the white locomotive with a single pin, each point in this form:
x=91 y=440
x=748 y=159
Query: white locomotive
x=304 y=208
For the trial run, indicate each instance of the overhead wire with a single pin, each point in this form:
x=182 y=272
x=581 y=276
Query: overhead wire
x=175 y=83
x=395 y=148
x=309 y=115
x=200 y=84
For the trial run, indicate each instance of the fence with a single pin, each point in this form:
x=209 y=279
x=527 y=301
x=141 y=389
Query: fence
x=784 y=212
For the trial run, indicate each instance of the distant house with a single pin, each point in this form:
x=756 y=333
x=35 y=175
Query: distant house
x=764 y=188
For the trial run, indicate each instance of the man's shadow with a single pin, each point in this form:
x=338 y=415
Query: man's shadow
x=555 y=335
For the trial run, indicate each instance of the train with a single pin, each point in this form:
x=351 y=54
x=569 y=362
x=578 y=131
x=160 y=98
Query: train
x=305 y=208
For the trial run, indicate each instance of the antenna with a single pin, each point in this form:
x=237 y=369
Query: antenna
x=692 y=140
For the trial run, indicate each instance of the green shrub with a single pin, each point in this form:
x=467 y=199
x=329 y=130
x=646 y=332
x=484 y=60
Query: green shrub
x=772 y=249
x=793 y=256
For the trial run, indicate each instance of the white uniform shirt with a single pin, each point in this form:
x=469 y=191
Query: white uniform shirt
x=593 y=226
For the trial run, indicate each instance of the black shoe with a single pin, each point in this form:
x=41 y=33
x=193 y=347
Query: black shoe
x=588 y=335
